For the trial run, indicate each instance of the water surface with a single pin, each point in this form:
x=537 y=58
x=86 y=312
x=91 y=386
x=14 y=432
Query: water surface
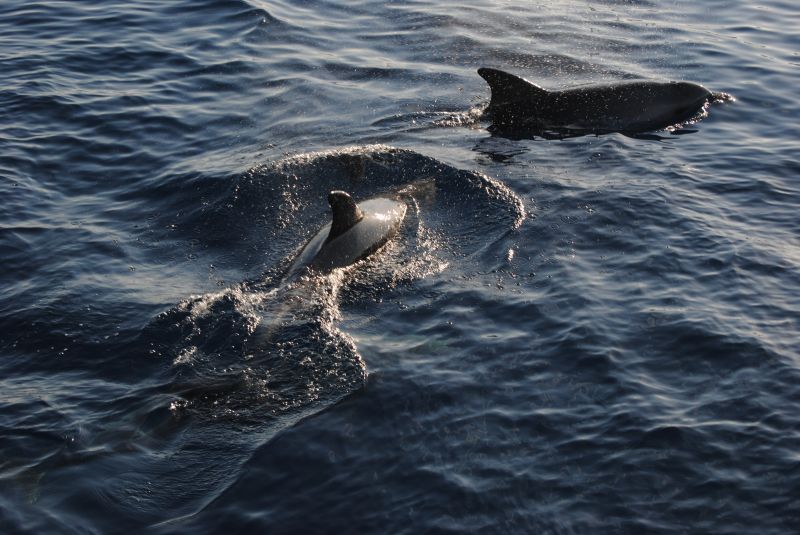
x=593 y=335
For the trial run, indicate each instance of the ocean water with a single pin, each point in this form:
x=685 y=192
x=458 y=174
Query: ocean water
x=596 y=334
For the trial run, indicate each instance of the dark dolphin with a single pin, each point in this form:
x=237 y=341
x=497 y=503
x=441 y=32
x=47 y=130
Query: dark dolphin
x=628 y=107
x=355 y=232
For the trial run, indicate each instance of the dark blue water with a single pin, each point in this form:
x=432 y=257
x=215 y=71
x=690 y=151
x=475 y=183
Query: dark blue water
x=588 y=335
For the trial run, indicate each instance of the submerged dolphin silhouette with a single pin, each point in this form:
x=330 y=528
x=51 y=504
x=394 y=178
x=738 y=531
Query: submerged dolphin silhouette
x=629 y=107
x=356 y=231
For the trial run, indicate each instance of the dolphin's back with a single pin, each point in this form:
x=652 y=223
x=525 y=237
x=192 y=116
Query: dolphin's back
x=600 y=108
x=624 y=106
x=633 y=106
x=380 y=221
x=382 y=218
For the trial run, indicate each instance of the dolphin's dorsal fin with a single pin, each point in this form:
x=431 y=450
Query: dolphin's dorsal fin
x=346 y=213
x=507 y=88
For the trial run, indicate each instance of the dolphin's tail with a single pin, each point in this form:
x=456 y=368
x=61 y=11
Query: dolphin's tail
x=508 y=89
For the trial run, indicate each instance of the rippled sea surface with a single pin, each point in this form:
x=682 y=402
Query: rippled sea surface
x=596 y=334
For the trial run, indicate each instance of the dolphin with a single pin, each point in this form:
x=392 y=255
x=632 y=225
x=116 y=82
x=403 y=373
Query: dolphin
x=355 y=232
x=627 y=107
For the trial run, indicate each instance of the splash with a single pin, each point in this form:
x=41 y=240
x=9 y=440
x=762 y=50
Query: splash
x=702 y=113
x=271 y=345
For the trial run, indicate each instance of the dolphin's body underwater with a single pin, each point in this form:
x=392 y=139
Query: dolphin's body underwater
x=628 y=107
x=356 y=231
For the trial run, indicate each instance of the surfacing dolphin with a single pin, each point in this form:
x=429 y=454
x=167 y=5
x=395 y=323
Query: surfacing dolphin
x=355 y=232
x=627 y=107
